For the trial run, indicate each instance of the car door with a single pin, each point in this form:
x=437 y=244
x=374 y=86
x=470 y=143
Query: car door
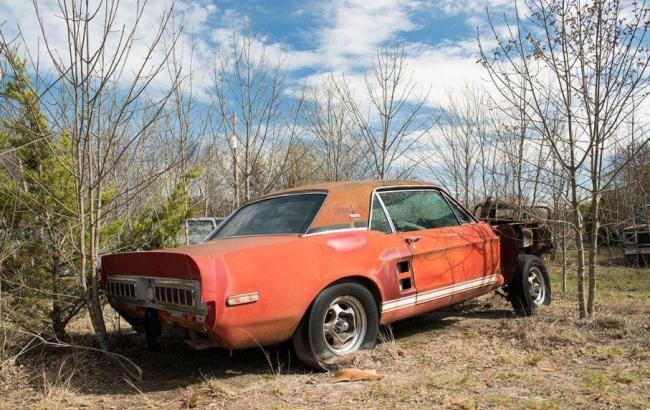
x=426 y=222
x=480 y=258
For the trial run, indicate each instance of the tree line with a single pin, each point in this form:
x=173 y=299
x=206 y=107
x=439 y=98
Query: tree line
x=113 y=146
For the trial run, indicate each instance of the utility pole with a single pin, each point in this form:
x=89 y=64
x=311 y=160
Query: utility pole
x=235 y=166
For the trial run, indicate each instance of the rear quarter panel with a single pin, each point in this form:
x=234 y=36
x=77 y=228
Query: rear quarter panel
x=289 y=275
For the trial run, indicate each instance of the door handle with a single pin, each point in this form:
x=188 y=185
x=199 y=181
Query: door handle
x=412 y=239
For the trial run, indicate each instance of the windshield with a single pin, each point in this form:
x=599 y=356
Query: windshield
x=289 y=214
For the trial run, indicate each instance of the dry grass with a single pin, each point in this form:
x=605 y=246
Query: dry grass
x=477 y=355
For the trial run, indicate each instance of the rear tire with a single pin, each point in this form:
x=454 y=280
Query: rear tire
x=531 y=287
x=342 y=320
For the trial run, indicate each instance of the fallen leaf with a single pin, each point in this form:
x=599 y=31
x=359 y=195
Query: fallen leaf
x=353 y=375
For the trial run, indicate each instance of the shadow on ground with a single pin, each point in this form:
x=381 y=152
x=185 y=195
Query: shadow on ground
x=178 y=366
x=447 y=317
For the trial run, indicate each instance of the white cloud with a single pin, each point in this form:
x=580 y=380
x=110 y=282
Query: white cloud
x=20 y=17
x=445 y=69
x=346 y=38
x=437 y=71
x=349 y=34
x=260 y=45
x=356 y=28
x=454 y=7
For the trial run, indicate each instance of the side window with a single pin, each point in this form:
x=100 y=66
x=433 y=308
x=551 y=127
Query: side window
x=417 y=210
x=463 y=216
x=378 y=220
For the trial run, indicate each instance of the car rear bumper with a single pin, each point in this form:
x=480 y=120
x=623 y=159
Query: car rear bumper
x=176 y=301
x=179 y=306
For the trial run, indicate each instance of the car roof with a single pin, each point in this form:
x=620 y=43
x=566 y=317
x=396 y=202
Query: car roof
x=350 y=186
x=347 y=205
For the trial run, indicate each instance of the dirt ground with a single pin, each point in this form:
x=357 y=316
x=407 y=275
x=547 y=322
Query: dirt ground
x=476 y=355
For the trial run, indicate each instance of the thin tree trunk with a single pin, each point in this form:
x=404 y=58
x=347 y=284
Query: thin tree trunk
x=593 y=254
x=57 y=322
x=563 y=244
x=580 y=247
x=92 y=294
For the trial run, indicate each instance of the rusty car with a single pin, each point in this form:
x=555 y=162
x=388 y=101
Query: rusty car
x=323 y=266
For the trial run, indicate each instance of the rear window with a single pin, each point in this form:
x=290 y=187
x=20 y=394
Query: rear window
x=289 y=214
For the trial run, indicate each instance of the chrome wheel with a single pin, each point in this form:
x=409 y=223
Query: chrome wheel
x=344 y=325
x=536 y=285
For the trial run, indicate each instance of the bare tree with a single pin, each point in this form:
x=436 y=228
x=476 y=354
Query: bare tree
x=249 y=91
x=397 y=116
x=100 y=102
x=459 y=149
x=581 y=65
x=339 y=148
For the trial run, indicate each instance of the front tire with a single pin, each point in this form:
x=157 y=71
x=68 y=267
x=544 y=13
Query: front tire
x=531 y=287
x=342 y=320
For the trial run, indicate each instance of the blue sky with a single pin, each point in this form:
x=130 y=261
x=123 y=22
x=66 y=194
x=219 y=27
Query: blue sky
x=297 y=23
x=314 y=38
x=356 y=28
x=317 y=38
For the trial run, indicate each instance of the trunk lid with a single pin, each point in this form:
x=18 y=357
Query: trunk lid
x=186 y=262
x=201 y=262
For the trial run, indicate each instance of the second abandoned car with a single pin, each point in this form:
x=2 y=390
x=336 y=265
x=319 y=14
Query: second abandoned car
x=323 y=265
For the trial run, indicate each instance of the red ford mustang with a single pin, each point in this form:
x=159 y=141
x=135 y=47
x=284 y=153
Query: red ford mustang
x=323 y=265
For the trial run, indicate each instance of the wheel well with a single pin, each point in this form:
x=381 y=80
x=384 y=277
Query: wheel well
x=366 y=283
x=362 y=280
